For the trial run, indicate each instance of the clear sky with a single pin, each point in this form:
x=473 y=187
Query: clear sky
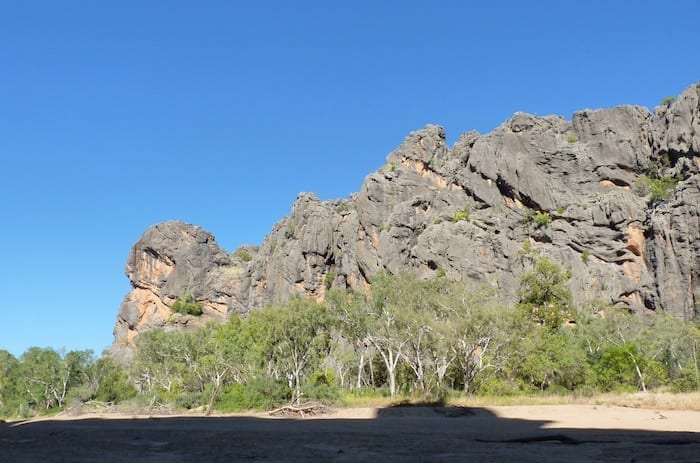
x=116 y=115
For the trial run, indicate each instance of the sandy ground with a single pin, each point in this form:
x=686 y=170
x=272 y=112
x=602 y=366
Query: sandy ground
x=566 y=433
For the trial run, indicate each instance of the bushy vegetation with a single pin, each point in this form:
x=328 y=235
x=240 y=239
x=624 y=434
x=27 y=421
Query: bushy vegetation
x=542 y=219
x=462 y=214
x=427 y=339
x=659 y=188
x=243 y=254
x=186 y=305
x=43 y=380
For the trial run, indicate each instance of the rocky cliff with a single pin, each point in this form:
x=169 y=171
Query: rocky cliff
x=613 y=195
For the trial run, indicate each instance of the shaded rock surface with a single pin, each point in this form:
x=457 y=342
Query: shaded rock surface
x=484 y=210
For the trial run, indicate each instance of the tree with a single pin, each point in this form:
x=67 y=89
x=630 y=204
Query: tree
x=294 y=338
x=377 y=323
x=544 y=295
x=9 y=366
x=481 y=336
x=45 y=376
x=161 y=360
x=110 y=382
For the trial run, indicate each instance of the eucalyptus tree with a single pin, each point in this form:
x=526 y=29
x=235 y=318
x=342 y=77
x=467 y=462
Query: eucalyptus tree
x=9 y=366
x=45 y=376
x=293 y=339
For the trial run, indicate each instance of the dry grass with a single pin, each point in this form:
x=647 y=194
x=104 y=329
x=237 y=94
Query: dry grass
x=650 y=400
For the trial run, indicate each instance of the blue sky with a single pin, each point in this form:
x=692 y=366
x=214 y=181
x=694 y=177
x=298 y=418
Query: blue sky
x=115 y=116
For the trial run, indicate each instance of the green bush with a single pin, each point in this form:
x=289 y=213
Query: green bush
x=186 y=305
x=572 y=139
x=113 y=382
x=662 y=188
x=328 y=279
x=322 y=385
x=258 y=394
x=190 y=400
x=585 y=255
x=542 y=219
x=668 y=101
x=462 y=214
x=657 y=186
x=243 y=254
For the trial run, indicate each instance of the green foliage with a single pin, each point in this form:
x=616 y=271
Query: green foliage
x=328 y=279
x=260 y=393
x=571 y=138
x=462 y=214
x=616 y=367
x=542 y=219
x=428 y=339
x=322 y=385
x=550 y=360
x=544 y=295
x=667 y=101
x=243 y=254
x=527 y=249
x=528 y=216
x=585 y=255
x=111 y=382
x=642 y=185
x=662 y=188
x=292 y=339
x=189 y=400
x=186 y=305
x=290 y=229
x=561 y=210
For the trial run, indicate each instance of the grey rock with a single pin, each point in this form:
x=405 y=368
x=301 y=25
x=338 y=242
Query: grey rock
x=469 y=212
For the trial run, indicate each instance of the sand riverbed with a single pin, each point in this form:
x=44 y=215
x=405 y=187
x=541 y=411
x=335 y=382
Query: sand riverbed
x=536 y=433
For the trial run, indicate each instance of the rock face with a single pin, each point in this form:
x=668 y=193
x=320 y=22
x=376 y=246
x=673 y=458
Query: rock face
x=484 y=210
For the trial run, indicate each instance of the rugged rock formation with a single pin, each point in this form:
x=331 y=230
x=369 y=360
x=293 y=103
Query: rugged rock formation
x=484 y=210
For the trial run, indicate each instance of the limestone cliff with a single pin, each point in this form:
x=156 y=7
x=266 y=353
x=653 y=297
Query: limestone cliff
x=577 y=191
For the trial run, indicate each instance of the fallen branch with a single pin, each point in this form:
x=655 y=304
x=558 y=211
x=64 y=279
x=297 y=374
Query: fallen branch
x=300 y=410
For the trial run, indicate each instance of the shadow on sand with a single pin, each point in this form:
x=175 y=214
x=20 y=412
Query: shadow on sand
x=401 y=433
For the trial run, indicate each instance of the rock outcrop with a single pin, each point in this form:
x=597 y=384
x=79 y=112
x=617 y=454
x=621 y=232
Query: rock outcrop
x=484 y=210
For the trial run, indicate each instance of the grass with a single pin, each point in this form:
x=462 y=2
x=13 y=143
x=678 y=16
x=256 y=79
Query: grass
x=646 y=400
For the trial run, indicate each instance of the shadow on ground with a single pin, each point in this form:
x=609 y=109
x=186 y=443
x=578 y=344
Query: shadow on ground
x=401 y=434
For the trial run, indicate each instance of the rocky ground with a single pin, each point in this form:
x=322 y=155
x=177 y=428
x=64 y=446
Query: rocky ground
x=570 y=433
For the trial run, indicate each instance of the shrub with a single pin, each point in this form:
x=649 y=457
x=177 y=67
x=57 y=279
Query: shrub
x=186 y=305
x=243 y=254
x=662 y=188
x=585 y=255
x=322 y=385
x=190 y=400
x=642 y=185
x=542 y=219
x=572 y=139
x=668 y=101
x=462 y=214
x=658 y=187
x=328 y=279
x=260 y=393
